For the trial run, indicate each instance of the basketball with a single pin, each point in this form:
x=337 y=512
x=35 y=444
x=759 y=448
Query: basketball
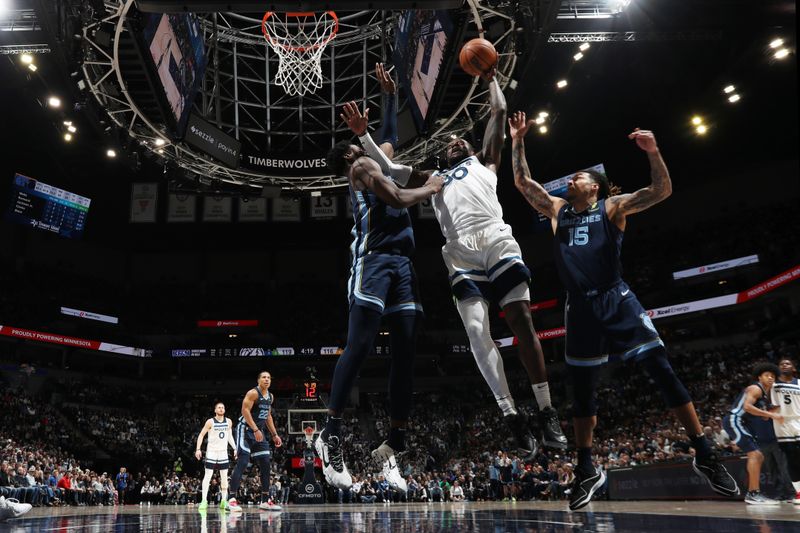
x=477 y=56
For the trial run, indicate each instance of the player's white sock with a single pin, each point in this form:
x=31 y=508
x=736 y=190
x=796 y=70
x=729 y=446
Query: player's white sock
x=506 y=405
x=475 y=315
x=206 y=483
x=541 y=391
x=223 y=484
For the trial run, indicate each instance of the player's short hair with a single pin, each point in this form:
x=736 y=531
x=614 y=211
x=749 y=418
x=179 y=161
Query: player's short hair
x=264 y=372
x=601 y=180
x=219 y=403
x=335 y=157
x=766 y=367
x=787 y=358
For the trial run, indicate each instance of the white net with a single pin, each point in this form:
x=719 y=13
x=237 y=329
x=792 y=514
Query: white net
x=299 y=40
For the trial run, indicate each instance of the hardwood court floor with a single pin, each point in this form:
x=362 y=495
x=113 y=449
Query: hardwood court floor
x=494 y=517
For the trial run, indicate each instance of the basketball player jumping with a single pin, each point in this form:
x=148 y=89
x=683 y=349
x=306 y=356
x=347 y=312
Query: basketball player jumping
x=255 y=422
x=220 y=435
x=603 y=316
x=382 y=283
x=484 y=263
x=785 y=394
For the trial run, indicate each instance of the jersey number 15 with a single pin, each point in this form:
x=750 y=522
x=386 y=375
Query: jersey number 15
x=579 y=236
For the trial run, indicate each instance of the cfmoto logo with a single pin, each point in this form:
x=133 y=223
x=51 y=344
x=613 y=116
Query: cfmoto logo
x=309 y=488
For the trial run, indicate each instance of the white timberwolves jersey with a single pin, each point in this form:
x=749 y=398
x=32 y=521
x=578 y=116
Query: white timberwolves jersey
x=468 y=200
x=218 y=436
x=787 y=397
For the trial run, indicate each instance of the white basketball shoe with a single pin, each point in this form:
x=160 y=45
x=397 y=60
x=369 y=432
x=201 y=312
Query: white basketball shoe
x=330 y=453
x=384 y=456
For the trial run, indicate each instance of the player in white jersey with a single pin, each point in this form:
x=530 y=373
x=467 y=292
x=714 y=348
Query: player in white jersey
x=484 y=263
x=220 y=436
x=785 y=397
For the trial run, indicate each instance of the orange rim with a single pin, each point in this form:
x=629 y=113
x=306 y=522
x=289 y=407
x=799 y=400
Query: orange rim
x=299 y=14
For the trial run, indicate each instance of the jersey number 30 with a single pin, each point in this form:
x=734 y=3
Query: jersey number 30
x=579 y=236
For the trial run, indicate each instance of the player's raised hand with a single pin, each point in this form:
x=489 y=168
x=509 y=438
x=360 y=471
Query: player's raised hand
x=644 y=140
x=355 y=120
x=489 y=74
x=519 y=124
x=385 y=79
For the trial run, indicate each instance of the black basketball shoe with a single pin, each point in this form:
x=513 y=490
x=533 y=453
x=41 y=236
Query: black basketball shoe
x=717 y=476
x=584 y=487
x=552 y=436
x=527 y=445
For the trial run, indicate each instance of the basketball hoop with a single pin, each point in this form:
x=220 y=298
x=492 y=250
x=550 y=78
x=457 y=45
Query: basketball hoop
x=309 y=432
x=299 y=38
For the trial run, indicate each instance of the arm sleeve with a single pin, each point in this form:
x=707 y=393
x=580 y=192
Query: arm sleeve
x=389 y=124
x=399 y=173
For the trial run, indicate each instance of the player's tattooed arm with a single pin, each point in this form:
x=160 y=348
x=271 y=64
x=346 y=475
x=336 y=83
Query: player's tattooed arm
x=534 y=193
x=660 y=187
x=494 y=137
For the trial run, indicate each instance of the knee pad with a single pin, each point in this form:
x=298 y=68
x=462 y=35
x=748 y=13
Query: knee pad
x=660 y=371
x=584 y=385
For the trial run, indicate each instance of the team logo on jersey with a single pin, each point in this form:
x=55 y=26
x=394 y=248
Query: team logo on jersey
x=648 y=323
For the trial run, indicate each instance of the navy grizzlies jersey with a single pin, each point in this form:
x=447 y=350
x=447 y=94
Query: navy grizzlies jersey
x=587 y=247
x=378 y=227
x=260 y=410
x=762 y=429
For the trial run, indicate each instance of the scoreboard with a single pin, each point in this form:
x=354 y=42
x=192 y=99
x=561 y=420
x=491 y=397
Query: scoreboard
x=47 y=208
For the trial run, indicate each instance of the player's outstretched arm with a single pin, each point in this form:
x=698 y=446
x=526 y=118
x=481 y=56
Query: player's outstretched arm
x=494 y=136
x=660 y=187
x=536 y=195
x=206 y=428
x=367 y=171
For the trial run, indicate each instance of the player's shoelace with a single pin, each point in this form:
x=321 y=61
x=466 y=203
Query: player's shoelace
x=336 y=458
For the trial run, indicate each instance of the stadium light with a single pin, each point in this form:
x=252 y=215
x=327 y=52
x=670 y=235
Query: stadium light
x=776 y=43
x=544 y=114
x=539 y=120
x=111 y=153
x=68 y=137
x=734 y=98
x=542 y=129
x=729 y=89
x=54 y=101
x=696 y=120
x=71 y=128
x=561 y=84
x=32 y=67
x=781 y=53
x=584 y=47
x=578 y=56
x=26 y=59
x=160 y=142
x=702 y=129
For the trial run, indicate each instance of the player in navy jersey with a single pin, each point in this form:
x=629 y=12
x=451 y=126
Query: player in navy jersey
x=382 y=282
x=749 y=425
x=603 y=316
x=251 y=443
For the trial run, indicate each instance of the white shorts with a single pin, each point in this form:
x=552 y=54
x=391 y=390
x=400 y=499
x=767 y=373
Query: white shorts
x=487 y=264
x=217 y=456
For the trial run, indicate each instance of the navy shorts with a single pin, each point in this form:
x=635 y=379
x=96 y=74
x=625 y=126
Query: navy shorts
x=246 y=443
x=605 y=323
x=211 y=465
x=384 y=282
x=739 y=433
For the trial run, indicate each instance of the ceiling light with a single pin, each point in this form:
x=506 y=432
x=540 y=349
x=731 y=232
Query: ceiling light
x=32 y=67
x=584 y=47
x=781 y=53
x=54 y=101
x=72 y=129
x=68 y=123
x=542 y=129
x=729 y=89
x=539 y=120
x=160 y=142
x=68 y=137
x=26 y=59
x=697 y=120
x=544 y=114
x=776 y=43
x=111 y=153
x=561 y=84
x=734 y=98
x=578 y=56
x=702 y=129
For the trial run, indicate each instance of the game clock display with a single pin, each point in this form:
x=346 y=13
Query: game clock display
x=47 y=208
